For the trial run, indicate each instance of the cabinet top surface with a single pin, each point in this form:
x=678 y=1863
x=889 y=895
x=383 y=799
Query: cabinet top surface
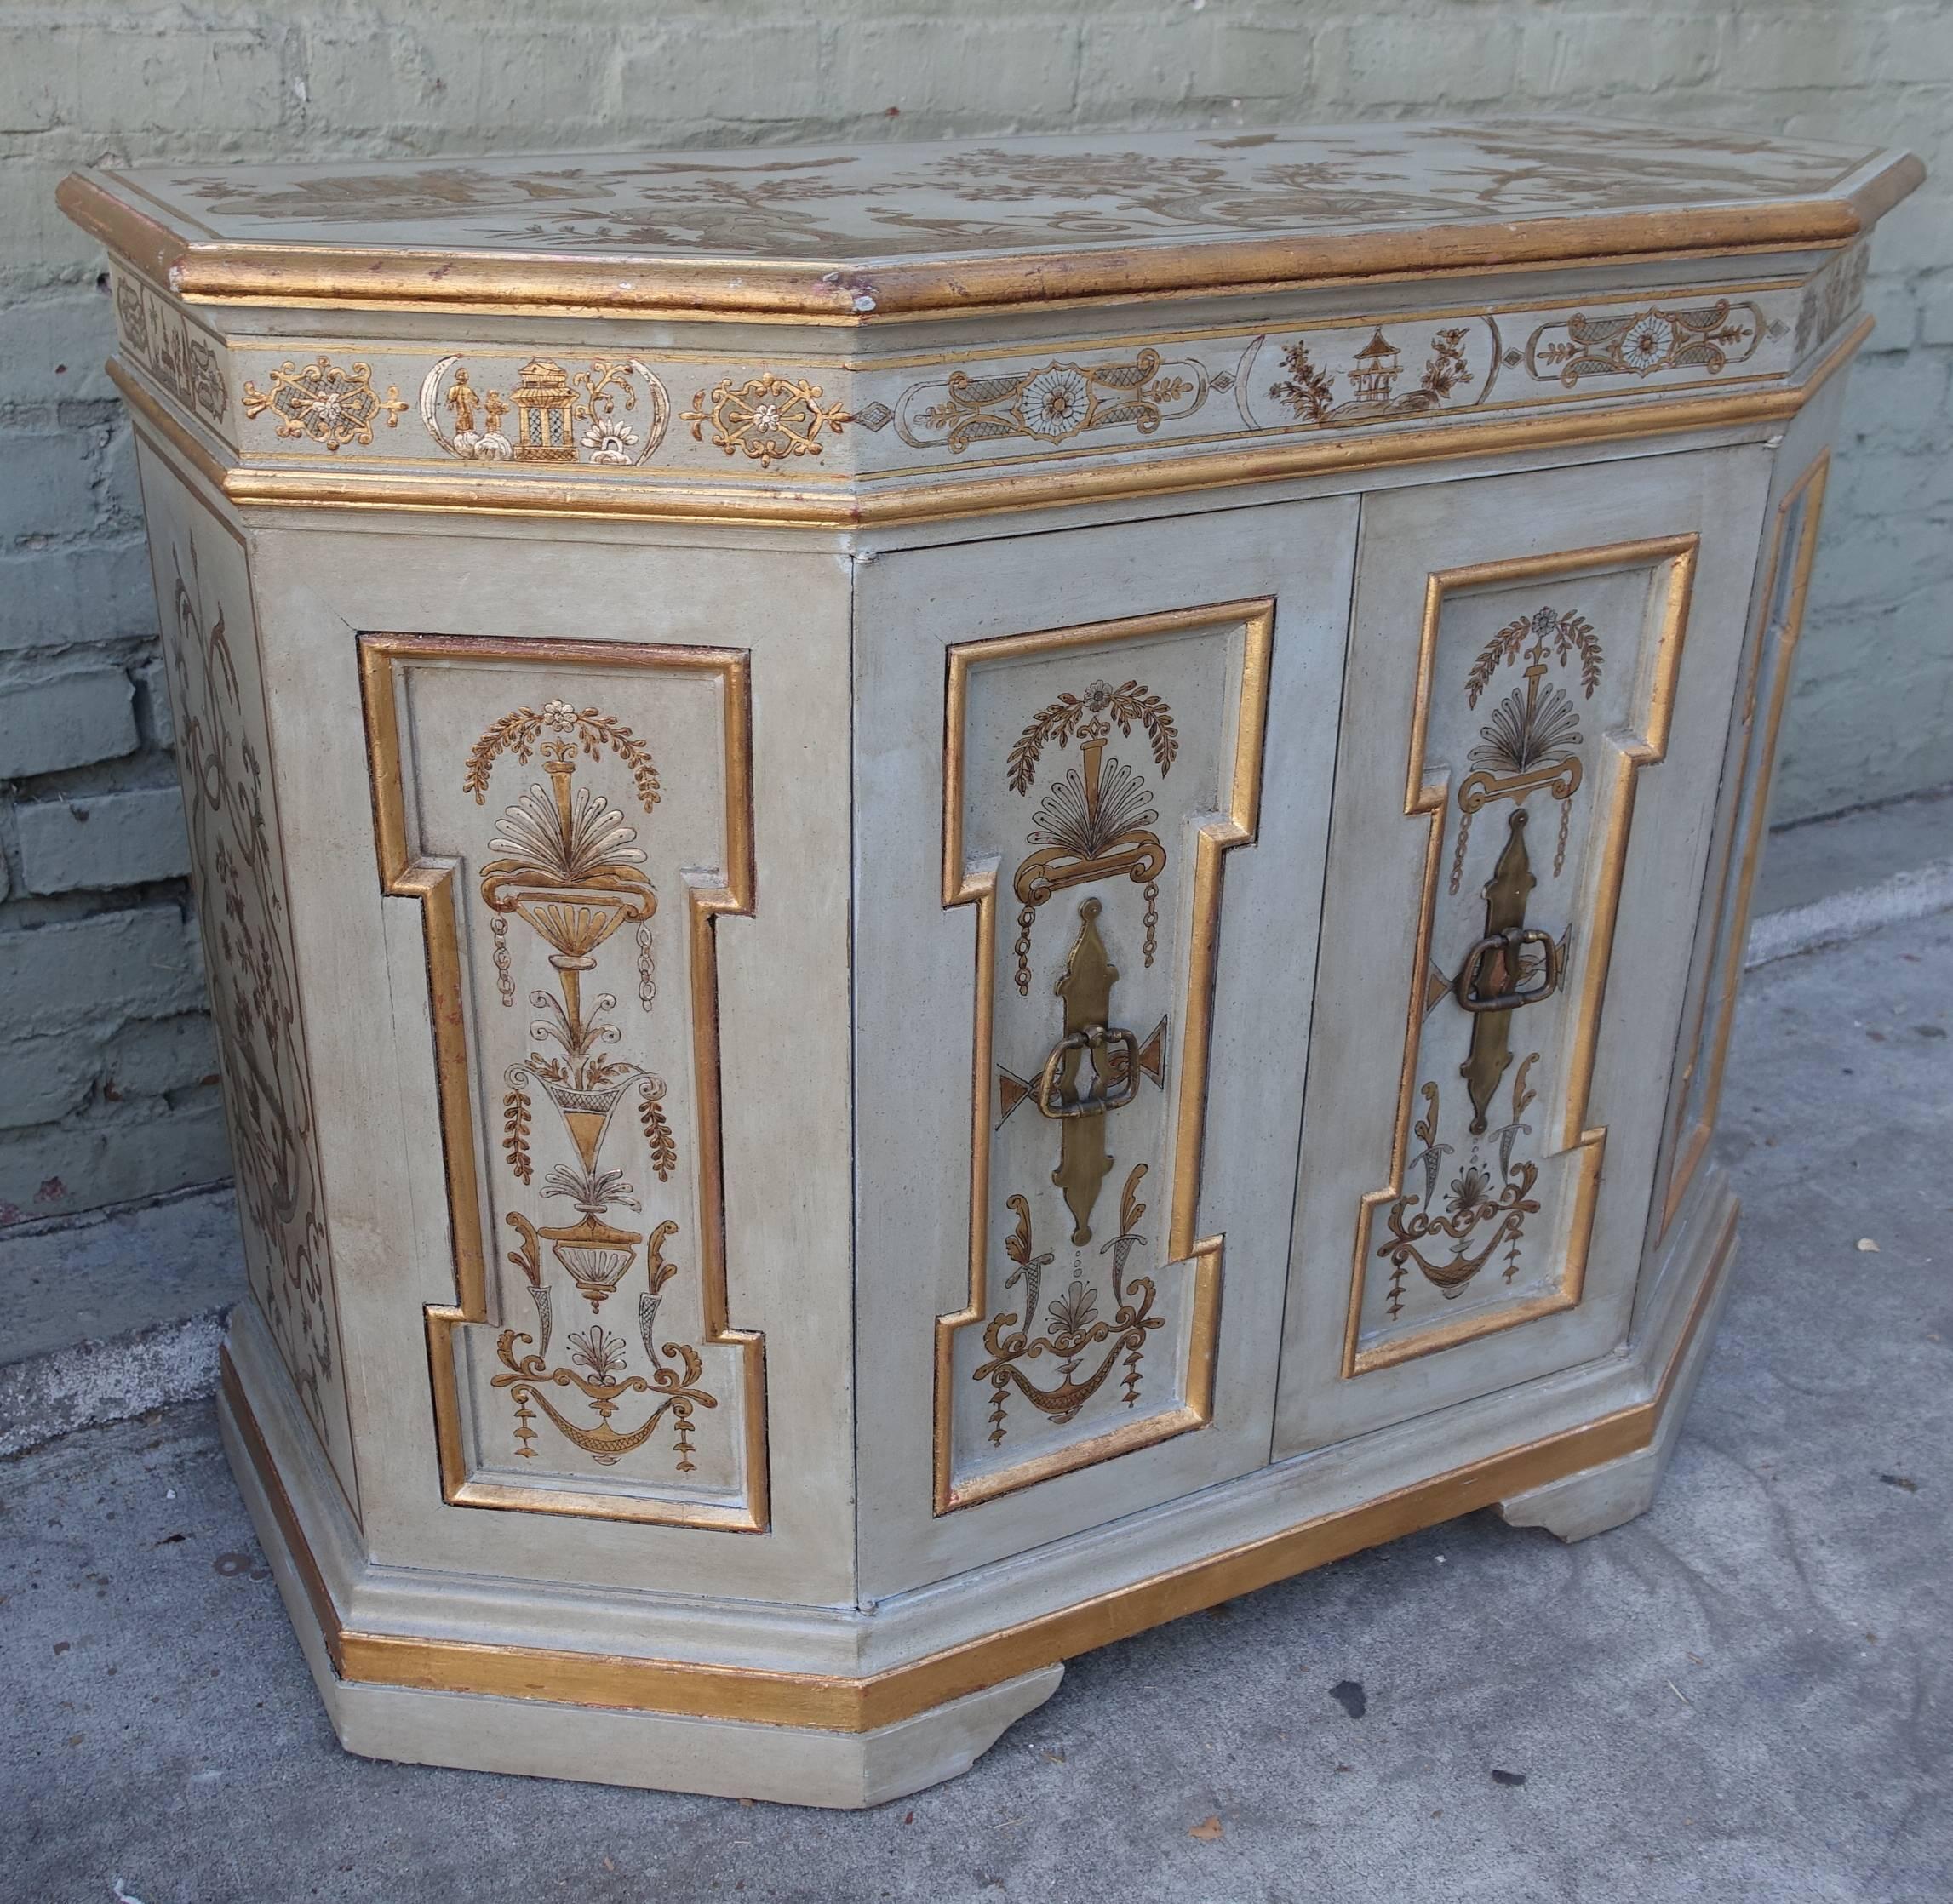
x=850 y=233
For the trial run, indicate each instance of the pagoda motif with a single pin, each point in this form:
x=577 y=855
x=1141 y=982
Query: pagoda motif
x=1379 y=366
x=545 y=413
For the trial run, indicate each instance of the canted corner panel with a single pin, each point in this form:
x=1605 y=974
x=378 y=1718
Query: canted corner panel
x=1697 y=1088
x=1094 y=779
x=237 y=873
x=1543 y=686
x=572 y=818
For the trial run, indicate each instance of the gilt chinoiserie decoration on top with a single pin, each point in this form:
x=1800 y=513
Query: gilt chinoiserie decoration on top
x=608 y=412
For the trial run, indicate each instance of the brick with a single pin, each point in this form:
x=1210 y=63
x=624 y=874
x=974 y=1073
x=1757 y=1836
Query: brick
x=97 y=592
x=55 y=1168
x=1180 y=59
x=140 y=964
x=153 y=1056
x=44 y=1078
x=157 y=714
x=49 y=488
x=967 y=67
x=771 y=73
x=1822 y=47
x=119 y=495
x=71 y=721
x=52 y=348
x=102 y=841
x=1891 y=302
x=486 y=80
x=1608 y=53
x=1388 y=60
x=1935 y=312
x=84 y=74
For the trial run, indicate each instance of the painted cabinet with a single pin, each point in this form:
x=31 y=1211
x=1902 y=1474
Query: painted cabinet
x=998 y=895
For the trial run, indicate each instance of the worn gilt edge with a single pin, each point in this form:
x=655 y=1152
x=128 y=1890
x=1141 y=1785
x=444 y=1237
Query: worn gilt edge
x=841 y=1703
x=210 y=270
x=1430 y=799
x=430 y=880
x=887 y=502
x=962 y=885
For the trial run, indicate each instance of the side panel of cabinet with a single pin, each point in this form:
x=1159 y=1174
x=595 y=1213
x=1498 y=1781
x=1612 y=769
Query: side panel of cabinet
x=1776 y=617
x=570 y=813
x=241 y=871
x=1538 y=691
x=1091 y=818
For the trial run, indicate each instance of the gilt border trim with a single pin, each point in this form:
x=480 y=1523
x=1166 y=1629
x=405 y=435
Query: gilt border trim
x=840 y=1703
x=889 y=502
x=852 y=293
x=964 y=885
x=1431 y=797
x=430 y=881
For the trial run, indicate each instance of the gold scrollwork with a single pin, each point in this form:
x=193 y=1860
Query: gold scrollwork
x=1053 y=402
x=1093 y=823
x=327 y=403
x=1072 y=1324
x=768 y=418
x=1708 y=337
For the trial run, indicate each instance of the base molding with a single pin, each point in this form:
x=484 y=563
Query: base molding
x=1613 y=1493
x=849 y=1741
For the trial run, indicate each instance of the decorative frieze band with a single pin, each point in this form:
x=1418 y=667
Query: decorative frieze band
x=508 y=411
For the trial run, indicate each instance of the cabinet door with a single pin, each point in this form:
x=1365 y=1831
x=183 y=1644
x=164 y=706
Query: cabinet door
x=1538 y=686
x=1094 y=771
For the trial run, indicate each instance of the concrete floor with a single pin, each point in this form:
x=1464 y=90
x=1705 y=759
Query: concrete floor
x=1747 y=1695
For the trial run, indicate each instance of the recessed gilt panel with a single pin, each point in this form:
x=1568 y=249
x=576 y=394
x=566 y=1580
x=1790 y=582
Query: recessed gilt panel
x=1095 y=778
x=1544 y=685
x=573 y=817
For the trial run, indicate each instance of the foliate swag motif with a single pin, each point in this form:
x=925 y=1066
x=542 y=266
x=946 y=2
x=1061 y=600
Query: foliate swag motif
x=1054 y=403
x=1071 y=1325
x=327 y=403
x=1532 y=735
x=1094 y=822
x=768 y=419
x=1707 y=338
x=1452 y=1239
x=571 y=871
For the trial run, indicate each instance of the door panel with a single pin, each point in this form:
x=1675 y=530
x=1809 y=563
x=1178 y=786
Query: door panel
x=1103 y=1001
x=1538 y=684
x=1093 y=815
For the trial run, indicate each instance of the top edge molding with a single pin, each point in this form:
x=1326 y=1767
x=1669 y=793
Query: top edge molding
x=859 y=235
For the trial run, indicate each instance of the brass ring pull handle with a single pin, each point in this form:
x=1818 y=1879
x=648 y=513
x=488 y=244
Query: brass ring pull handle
x=1100 y=1041
x=1507 y=945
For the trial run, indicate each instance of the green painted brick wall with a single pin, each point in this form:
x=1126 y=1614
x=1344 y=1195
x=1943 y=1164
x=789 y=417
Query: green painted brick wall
x=106 y=1088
